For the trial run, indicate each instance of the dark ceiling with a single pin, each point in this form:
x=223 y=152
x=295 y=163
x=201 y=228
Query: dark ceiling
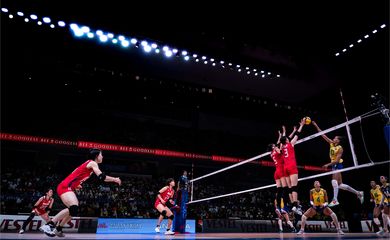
x=296 y=40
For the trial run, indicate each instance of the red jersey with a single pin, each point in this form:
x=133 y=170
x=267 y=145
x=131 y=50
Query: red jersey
x=166 y=195
x=289 y=155
x=278 y=158
x=78 y=176
x=45 y=202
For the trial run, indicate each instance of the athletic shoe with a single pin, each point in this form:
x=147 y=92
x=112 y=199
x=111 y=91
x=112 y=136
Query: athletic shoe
x=333 y=203
x=157 y=229
x=297 y=210
x=59 y=233
x=300 y=232
x=280 y=231
x=169 y=232
x=339 y=232
x=21 y=231
x=380 y=233
x=361 y=197
x=294 y=230
x=47 y=230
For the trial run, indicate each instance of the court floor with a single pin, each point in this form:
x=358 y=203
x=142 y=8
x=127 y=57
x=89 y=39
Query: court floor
x=306 y=236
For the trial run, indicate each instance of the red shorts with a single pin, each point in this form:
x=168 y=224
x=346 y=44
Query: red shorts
x=39 y=211
x=62 y=188
x=157 y=203
x=290 y=170
x=279 y=173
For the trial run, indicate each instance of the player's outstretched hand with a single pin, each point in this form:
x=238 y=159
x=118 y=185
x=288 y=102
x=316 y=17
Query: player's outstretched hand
x=118 y=181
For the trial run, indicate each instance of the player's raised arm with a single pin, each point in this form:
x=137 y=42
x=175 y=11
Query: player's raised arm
x=323 y=135
x=295 y=139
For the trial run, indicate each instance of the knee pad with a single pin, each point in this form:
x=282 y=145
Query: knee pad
x=294 y=189
x=171 y=217
x=164 y=213
x=334 y=183
x=279 y=191
x=290 y=190
x=74 y=210
x=32 y=215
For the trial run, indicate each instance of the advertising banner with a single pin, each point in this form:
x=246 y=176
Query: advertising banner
x=369 y=226
x=237 y=226
x=13 y=223
x=126 y=226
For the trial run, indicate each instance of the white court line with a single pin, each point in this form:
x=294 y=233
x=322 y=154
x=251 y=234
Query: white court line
x=300 y=179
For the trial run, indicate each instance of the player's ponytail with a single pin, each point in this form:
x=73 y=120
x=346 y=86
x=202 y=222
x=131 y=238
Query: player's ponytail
x=169 y=180
x=341 y=139
x=94 y=153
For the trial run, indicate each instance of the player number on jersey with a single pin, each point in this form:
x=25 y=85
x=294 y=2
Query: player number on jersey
x=285 y=152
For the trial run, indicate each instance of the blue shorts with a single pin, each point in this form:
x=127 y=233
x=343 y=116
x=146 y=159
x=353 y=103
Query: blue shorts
x=337 y=166
x=318 y=209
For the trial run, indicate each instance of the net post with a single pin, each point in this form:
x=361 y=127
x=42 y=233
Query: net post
x=355 y=163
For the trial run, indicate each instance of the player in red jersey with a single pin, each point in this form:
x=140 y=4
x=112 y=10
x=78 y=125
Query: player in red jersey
x=279 y=175
x=290 y=166
x=41 y=208
x=164 y=198
x=283 y=215
x=66 y=188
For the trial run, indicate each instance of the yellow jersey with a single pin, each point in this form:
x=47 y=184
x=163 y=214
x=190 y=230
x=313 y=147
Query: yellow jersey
x=318 y=197
x=377 y=194
x=334 y=151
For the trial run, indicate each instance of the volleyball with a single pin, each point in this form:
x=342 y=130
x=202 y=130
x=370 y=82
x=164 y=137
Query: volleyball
x=307 y=120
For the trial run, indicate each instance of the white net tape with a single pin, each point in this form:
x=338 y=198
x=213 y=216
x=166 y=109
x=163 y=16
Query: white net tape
x=300 y=179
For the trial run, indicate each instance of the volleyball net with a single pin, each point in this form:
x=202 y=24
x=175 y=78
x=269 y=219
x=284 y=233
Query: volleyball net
x=311 y=148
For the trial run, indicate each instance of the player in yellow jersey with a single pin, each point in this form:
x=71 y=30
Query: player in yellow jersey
x=336 y=162
x=319 y=202
x=376 y=198
x=282 y=214
x=385 y=189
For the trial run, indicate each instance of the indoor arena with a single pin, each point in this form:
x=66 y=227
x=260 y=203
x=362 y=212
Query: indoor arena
x=217 y=120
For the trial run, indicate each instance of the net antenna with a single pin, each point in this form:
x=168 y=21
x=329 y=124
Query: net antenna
x=354 y=158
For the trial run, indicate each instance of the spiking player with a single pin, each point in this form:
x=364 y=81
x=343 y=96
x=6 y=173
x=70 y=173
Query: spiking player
x=336 y=162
